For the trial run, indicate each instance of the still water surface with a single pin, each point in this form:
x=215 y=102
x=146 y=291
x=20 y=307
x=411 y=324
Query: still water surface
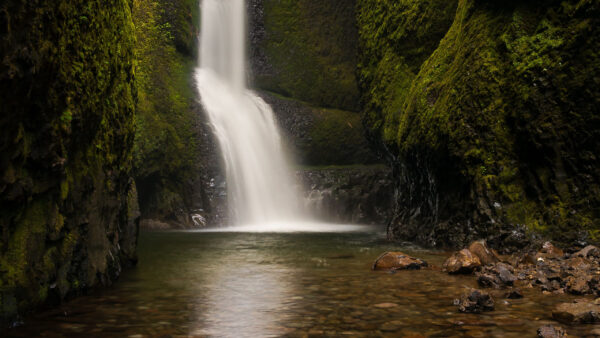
x=285 y=284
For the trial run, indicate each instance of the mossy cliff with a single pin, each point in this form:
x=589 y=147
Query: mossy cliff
x=488 y=113
x=303 y=57
x=172 y=157
x=68 y=208
x=305 y=49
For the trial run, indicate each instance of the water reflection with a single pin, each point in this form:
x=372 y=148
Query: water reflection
x=244 y=297
x=285 y=284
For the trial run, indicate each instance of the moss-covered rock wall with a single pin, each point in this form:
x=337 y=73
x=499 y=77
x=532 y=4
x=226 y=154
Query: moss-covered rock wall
x=174 y=158
x=488 y=112
x=303 y=57
x=306 y=49
x=68 y=208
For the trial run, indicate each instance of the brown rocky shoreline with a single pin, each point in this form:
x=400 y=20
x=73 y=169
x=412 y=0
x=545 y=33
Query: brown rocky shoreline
x=554 y=271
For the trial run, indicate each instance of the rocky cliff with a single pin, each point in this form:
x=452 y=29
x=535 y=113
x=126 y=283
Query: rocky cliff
x=488 y=113
x=68 y=205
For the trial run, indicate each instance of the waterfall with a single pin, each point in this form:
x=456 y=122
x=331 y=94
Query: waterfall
x=260 y=187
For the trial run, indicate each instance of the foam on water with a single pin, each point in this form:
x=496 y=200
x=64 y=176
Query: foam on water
x=289 y=227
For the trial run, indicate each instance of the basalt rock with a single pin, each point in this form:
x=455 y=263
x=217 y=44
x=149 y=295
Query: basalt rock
x=475 y=301
x=462 y=262
x=398 y=261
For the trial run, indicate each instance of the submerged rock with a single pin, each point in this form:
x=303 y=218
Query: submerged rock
x=475 y=301
x=580 y=312
x=549 y=331
x=398 y=261
x=462 y=262
x=514 y=294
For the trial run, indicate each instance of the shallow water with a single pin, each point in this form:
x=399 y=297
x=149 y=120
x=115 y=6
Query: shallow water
x=293 y=284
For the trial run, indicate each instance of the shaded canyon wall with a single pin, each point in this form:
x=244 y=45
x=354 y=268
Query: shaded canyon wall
x=68 y=205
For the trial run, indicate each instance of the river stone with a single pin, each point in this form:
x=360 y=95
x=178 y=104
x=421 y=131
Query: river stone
x=588 y=251
x=549 y=331
x=485 y=254
x=398 y=261
x=579 y=312
x=475 y=301
x=462 y=262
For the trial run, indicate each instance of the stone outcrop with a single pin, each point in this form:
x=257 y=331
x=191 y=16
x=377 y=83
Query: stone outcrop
x=68 y=206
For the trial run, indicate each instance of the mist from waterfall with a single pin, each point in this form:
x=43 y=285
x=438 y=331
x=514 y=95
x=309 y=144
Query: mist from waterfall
x=258 y=177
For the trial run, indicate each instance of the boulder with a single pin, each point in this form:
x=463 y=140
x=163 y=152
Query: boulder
x=496 y=275
x=588 y=251
x=475 y=301
x=579 y=312
x=549 y=331
x=462 y=262
x=505 y=273
x=398 y=261
x=486 y=255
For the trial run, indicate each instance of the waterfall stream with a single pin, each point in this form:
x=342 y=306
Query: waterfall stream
x=261 y=192
x=259 y=183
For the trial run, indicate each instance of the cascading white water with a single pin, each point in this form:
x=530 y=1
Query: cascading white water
x=262 y=197
x=258 y=177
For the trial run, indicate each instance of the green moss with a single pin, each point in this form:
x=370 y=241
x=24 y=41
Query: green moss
x=166 y=146
x=68 y=100
x=311 y=51
x=508 y=96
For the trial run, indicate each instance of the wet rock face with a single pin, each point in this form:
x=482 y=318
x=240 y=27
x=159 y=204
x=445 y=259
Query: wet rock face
x=462 y=262
x=579 y=312
x=475 y=301
x=398 y=261
x=357 y=195
x=68 y=206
